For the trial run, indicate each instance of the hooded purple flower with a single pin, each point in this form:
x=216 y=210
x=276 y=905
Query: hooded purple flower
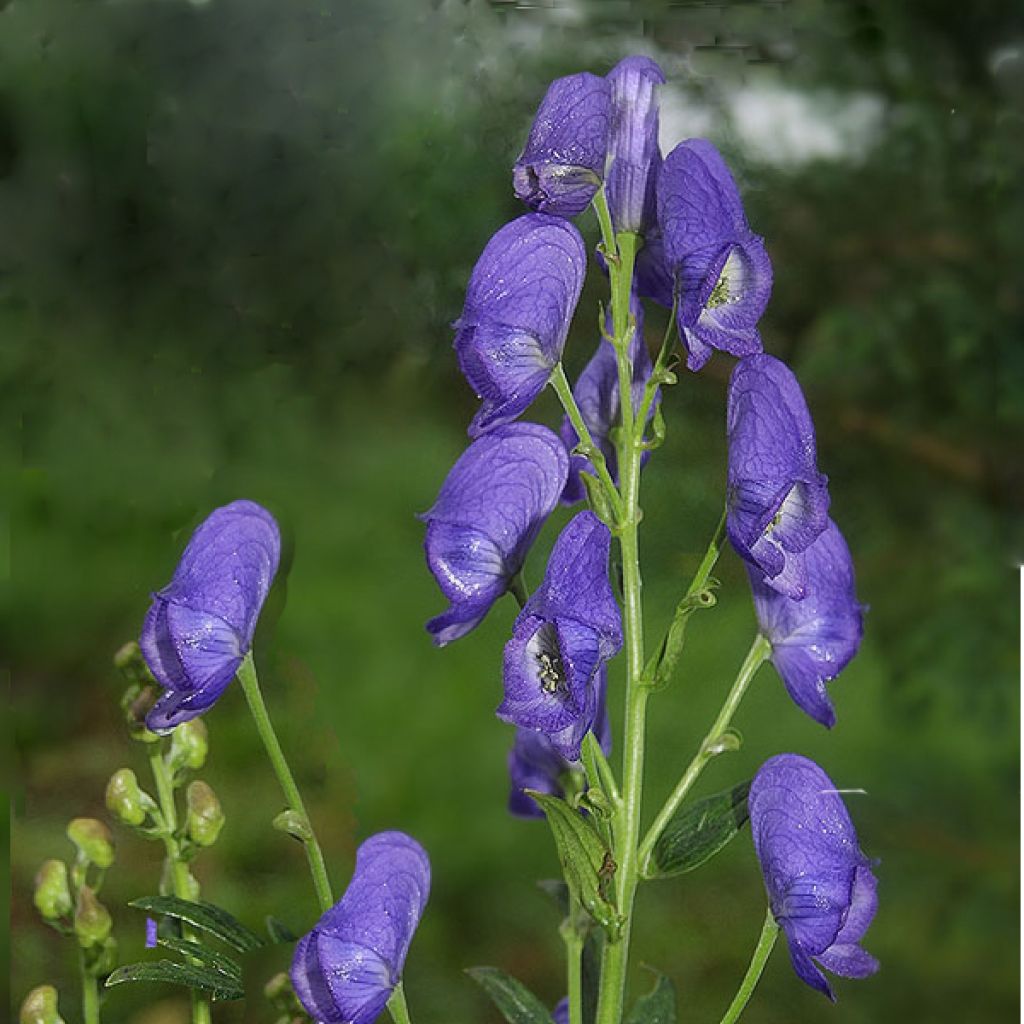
x=534 y=763
x=597 y=395
x=490 y=509
x=562 y=164
x=722 y=273
x=345 y=969
x=568 y=629
x=519 y=303
x=813 y=639
x=200 y=626
x=778 y=501
x=633 y=154
x=820 y=886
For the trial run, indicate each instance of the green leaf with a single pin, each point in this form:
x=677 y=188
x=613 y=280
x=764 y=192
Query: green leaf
x=657 y=1007
x=696 y=833
x=206 y=957
x=586 y=861
x=279 y=931
x=206 y=917
x=189 y=975
x=518 y=1005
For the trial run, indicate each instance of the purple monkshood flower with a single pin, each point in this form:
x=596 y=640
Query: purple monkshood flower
x=567 y=630
x=778 y=501
x=534 y=763
x=560 y=1014
x=345 y=969
x=201 y=624
x=151 y=933
x=519 y=304
x=820 y=886
x=633 y=154
x=815 y=638
x=722 y=273
x=597 y=395
x=488 y=513
x=562 y=164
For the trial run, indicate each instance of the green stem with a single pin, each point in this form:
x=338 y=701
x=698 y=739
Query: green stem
x=599 y=771
x=604 y=219
x=90 y=992
x=251 y=688
x=707 y=563
x=756 y=656
x=765 y=944
x=398 y=1007
x=574 y=963
x=668 y=344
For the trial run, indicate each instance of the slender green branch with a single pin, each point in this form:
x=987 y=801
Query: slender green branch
x=765 y=944
x=251 y=688
x=517 y=588
x=668 y=344
x=574 y=940
x=599 y=771
x=90 y=992
x=397 y=1006
x=604 y=219
x=756 y=656
x=707 y=563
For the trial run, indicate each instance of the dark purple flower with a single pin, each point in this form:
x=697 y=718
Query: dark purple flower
x=519 y=303
x=722 y=273
x=490 y=509
x=560 y=1014
x=778 y=501
x=562 y=164
x=345 y=969
x=633 y=154
x=201 y=624
x=813 y=639
x=597 y=395
x=820 y=886
x=568 y=629
x=151 y=933
x=534 y=763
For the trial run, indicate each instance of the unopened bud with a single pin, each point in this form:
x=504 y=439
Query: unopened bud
x=205 y=816
x=128 y=660
x=52 y=896
x=92 y=919
x=294 y=824
x=107 y=959
x=93 y=840
x=279 y=987
x=124 y=798
x=189 y=745
x=40 y=1007
x=727 y=742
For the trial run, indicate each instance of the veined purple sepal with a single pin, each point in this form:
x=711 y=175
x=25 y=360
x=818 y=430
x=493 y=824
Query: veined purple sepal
x=489 y=511
x=519 y=304
x=821 y=889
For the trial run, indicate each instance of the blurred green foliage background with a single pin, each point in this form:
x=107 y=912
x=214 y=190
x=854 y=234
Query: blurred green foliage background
x=233 y=237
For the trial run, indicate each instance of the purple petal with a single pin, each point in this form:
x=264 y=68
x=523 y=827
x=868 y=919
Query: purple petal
x=560 y=1014
x=359 y=979
x=778 y=501
x=533 y=763
x=519 y=304
x=310 y=982
x=487 y=515
x=815 y=638
x=562 y=164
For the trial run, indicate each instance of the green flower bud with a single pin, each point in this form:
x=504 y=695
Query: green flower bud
x=279 y=987
x=40 y=1007
x=140 y=694
x=92 y=919
x=294 y=824
x=124 y=798
x=205 y=816
x=106 y=961
x=93 y=840
x=52 y=896
x=189 y=745
x=128 y=660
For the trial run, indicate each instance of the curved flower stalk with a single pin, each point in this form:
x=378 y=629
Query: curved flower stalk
x=562 y=164
x=490 y=509
x=721 y=270
x=519 y=303
x=815 y=638
x=346 y=968
x=778 y=501
x=567 y=630
x=821 y=889
x=201 y=625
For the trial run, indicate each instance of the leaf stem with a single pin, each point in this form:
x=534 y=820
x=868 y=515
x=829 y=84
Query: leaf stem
x=765 y=944
x=397 y=1006
x=251 y=688
x=574 y=940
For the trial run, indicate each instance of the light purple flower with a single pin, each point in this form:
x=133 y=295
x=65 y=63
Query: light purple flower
x=151 y=933
x=597 y=395
x=633 y=154
x=778 y=501
x=722 y=273
x=519 y=304
x=488 y=513
x=568 y=629
x=815 y=638
x=345 y=969
x=562 y=164
x=201 y=624
x=560 y=1014
x=821 y=889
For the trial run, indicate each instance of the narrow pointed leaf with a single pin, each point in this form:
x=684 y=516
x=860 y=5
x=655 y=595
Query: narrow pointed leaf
x=190 y=975
x=206 y=917
x=279 y=931
x=657 y=1007
x=518 y=1005
x=698 y=832
x=204 y=956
